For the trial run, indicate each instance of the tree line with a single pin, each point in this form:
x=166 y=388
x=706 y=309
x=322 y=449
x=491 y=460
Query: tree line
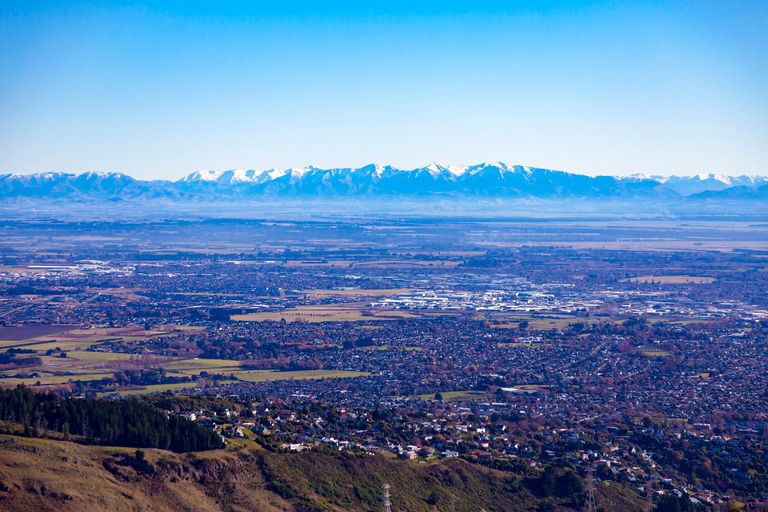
x=128 y=422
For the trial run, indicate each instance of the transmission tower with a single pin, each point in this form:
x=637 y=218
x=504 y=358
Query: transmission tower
x=590 y=506
x=386 y=506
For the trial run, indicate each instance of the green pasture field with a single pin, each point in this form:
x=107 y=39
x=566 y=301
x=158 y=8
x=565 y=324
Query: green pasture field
x=223 y=370
x=545 y=323
x=96 y=365
x=155 y=388
x=247 y=376
x=71 y=347
x=184 y=365
x=88 y=365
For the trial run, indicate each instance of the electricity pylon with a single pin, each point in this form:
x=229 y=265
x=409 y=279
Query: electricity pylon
x=590 y=506
x=386 y=505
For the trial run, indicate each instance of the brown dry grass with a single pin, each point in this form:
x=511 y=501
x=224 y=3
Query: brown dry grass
x=44 y=475
x=334 y=313
x=58 y=476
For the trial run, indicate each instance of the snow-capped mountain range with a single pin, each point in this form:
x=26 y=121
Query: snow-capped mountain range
x=487 y=180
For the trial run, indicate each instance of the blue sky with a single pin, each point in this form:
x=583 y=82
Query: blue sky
x=160 y=89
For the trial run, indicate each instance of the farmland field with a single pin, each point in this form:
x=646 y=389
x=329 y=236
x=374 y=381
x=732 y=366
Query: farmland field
x=53 y=379
x=84 y=365
x=672 y=279
x=335 y=313
x=157 y=388
x=656 y=352
x=539 y=322
x=186 y=365
x=453 y=395
x=28 y=332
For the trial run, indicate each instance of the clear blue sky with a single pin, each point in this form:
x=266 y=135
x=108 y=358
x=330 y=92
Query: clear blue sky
x=161 y=89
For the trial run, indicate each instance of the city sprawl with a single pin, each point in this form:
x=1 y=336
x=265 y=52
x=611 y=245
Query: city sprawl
x=639 y=348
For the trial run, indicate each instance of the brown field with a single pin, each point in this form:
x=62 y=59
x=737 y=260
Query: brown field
x=126 y=294
x=28 y=332
x=70 y=337
x=44 y=475
x=512 y=320
x=43 y=346
x=334 y=313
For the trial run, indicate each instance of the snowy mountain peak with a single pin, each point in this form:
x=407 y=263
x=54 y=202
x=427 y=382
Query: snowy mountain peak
x=437 y=168
x=203 y=175
x=495 y=179
x=374 y=169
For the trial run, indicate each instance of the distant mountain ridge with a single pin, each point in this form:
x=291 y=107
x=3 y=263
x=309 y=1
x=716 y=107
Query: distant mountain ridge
x=487 y=180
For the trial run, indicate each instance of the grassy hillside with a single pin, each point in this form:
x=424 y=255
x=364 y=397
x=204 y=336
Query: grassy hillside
x=48 y=475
